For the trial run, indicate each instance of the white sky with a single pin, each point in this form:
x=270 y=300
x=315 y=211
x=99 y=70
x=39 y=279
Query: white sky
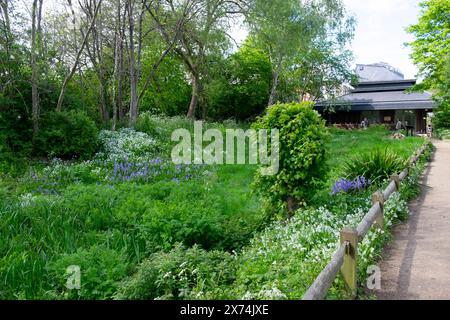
x=380 y=33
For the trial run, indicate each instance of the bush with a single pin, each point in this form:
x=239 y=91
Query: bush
x=442 y=116
x=67 y=135
x=375 y=166
x=179 y=274
x=302 y=152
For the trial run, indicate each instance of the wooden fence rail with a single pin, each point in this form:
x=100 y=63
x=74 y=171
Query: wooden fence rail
x=345 y=258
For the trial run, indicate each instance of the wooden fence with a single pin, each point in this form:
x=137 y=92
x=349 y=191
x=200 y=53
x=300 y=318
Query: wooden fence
x=345 y=258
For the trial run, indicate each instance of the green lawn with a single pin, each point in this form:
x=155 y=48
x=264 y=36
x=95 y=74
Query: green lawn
x=345 y=144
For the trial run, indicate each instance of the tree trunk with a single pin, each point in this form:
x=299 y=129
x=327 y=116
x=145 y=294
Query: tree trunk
x=292 y=206
x=116 y=65
x=35 y=35
x=103 y=106
x=195 y=96
x=273 y=91
x=77 y=59
x=133 y=70
x=120 y=106
x=4 y=7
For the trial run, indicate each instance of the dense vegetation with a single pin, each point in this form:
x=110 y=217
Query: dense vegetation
x=136 y=231
x=90 y=94
x=114 y=59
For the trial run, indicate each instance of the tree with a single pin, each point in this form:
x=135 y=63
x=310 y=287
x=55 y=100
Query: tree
x=198 y=26
x=442 y=113
x=36 y=32
x=119 y=36
x=431 y=46
x=240 y=85
x=5 y=27
x=77 y=58
x=97 y=49
x=431 y=53
x=302 y=37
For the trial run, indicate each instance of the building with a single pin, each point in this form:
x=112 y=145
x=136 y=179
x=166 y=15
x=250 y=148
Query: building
x=381 y=96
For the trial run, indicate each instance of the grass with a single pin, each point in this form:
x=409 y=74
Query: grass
x=346 y=144
x=126 y=223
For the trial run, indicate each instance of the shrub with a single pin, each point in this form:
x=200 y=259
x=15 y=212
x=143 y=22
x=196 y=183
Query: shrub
x=67 y=135
x=179 y=274
x=302 y=151
x=442 y=116
x=376 y=166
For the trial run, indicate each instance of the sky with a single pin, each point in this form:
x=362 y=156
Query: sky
x=380 y=33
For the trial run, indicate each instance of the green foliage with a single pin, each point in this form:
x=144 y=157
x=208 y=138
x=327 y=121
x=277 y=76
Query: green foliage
x=441 y=117
x=307 y=43
x=160 y=127
x=241 y=87
x=114 y=229
x=67 y=134
x=56 y=214
x=283 y=261
x=179 y=274
x=101 y=271
x=442 y=133
x=347 y=143
x=432 y=44
x=302 y=152
x=169 y=92
x=375 y=166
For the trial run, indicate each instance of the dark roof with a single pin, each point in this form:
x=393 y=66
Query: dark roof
x=382 y=95
x=379 y=86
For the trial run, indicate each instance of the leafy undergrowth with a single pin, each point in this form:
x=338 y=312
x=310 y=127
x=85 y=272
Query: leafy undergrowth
x=140 y=227
x=443 y=134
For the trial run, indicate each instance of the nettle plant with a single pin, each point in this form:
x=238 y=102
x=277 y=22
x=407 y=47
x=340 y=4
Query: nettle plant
x=302 y=153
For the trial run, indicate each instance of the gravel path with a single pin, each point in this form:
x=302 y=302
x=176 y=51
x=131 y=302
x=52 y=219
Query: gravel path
x=416 y=264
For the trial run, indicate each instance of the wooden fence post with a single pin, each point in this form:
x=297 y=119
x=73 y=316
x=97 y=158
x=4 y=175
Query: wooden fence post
x=378 y=197
x=349 y=272
x=396 y=179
